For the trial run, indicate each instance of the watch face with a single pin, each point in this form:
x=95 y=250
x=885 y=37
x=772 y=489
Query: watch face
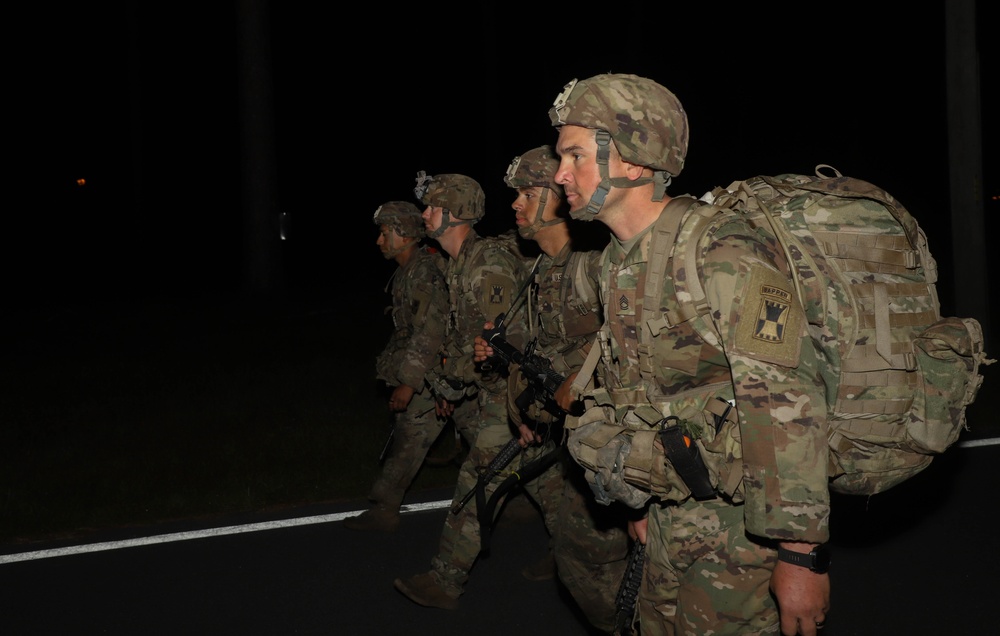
x=820 y=559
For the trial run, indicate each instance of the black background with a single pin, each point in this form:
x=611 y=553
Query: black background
x=143 y=101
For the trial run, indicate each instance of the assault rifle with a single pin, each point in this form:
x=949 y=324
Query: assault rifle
x=543 y=381
x=628 y=591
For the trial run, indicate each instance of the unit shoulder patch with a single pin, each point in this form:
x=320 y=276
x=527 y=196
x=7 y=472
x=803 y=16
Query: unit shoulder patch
x=771 y=320
x=496 y=293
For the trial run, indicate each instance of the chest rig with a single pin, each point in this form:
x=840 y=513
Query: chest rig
x=659 y=360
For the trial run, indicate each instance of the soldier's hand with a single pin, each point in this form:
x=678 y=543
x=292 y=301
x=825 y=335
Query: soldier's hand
x=482 y=349
x=400 y=398
x=443 y=408
x=803 y=598
x=637 y=529
x=564 y=395
x=528 y=436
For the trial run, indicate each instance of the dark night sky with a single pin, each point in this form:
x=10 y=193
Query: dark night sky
x=143 y=102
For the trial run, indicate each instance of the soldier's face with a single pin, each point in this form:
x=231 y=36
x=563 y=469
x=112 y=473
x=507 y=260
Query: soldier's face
x=432 y=218
x=525 y=205
x=388 y=241
x=529 y=214
x=578 y=173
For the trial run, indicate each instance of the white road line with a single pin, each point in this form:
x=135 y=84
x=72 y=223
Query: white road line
x=267 y=525
x=201 y=534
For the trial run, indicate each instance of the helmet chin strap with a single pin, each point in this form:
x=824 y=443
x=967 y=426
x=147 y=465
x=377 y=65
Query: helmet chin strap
x=660 y=179
x=530 y=230
x=446 y=223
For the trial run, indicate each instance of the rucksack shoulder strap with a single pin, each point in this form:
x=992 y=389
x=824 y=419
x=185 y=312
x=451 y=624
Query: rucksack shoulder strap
x=661 y=245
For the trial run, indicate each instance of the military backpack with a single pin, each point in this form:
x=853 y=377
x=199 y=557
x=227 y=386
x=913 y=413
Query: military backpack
x=899 y=376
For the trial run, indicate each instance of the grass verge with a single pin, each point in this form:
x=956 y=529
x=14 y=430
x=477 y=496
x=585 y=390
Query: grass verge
x=139 y=415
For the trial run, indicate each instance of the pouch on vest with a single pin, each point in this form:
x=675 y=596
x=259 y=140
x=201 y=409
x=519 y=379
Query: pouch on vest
x=601 y=448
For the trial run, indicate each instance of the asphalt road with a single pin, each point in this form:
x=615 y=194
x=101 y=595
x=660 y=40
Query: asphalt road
x=919 y=559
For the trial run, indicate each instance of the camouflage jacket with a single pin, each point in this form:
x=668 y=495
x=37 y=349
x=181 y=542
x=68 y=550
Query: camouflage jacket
x=753 y=348
x=483 y=280
x=419 y=317
x=569 y=308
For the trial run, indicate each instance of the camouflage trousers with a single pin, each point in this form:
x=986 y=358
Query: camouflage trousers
x=702 y=574
x=416 y=430
x=590 y=545
x=482 y=421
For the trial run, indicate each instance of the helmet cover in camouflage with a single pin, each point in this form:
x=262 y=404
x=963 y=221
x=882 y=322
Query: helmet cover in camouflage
x=645 y=120
x=462 y=196
x=535 y=168
x=401 y=216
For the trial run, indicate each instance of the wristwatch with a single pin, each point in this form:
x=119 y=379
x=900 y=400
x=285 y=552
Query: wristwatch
x=817 y=559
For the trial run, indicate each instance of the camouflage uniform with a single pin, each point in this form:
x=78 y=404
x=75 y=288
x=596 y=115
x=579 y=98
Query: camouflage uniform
x=482 y=280
x=708 y=561
x=419 y=313
x=589 y=542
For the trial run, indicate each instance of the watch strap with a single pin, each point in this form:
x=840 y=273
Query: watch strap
x=816 y=560
x=801 y=559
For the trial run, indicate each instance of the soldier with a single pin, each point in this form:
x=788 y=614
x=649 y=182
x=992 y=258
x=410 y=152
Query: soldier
x=483 y=276
x=589 y=542
x=419 y=315
x=736 y=499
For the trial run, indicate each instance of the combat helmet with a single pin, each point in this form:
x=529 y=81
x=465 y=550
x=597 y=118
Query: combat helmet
x=645 y=120
x=461 y=197
x=536 y=168
x=403 y=217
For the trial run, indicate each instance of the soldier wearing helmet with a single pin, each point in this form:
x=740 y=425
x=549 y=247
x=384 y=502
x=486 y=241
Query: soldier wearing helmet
x=645 y=122
x=589 y=544
x=401 y=218
x=533 y=176
x=419 y=317
x=484 y=276
x=715 y=437
x=460 y=198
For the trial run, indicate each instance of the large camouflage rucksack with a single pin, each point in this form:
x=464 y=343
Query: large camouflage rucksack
x=899 y=376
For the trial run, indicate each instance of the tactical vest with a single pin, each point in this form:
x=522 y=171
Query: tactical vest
x=569 y=308
x=661 y=375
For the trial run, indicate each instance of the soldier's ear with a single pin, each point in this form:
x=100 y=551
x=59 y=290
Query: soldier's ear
x=634 y=171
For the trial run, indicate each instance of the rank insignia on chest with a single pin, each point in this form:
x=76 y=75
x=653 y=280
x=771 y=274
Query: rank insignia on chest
x=773 y=314
x=623 y=302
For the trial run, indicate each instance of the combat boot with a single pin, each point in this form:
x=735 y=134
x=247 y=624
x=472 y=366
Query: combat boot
x=543 y=569
x=379 y=519
x=424 y=589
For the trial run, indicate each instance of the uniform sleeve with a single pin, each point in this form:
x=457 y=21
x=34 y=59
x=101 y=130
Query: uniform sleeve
x=779 y=393
x=581 y=328
x=499 y=276
x=429 y=299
